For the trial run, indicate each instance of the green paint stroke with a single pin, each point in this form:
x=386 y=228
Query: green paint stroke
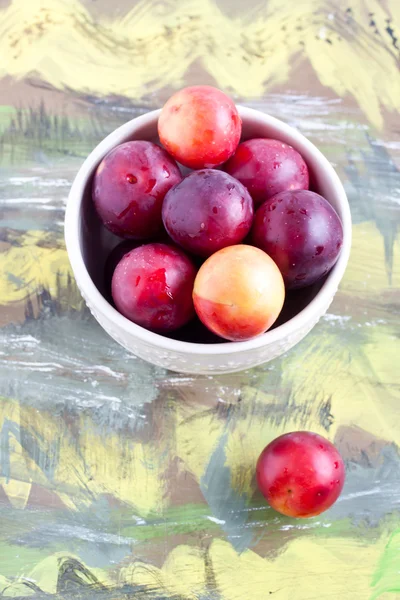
x=387 y=574
x=25 y=131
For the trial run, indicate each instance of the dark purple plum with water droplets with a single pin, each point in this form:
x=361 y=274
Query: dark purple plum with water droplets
x=302 y=233
x=209 y=210
x=152 y=286
x=267 y=167
x=129 y=187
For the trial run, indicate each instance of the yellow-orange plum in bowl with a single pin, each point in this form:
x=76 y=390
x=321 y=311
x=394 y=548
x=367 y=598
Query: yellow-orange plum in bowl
x=239 y=292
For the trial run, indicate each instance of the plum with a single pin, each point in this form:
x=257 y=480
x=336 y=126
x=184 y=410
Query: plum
x=266 y=167
x=301 y=474
x=302 y=232
x=152 y=286
x=207 y=211
x=129 y=187
x=200 y=127
x=238 y=292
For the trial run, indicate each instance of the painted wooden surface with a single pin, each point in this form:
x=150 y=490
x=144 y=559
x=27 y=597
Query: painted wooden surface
x=120 y=480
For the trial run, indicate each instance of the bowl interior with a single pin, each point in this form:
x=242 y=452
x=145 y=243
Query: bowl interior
x=96 y=242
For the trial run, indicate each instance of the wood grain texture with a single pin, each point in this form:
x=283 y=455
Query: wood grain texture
x=121 y=480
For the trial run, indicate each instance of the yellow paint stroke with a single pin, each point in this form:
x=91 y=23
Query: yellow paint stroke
x=366 y=274
x=307 y=568
x=22 y=466
x=182 y=575
x=67 y=500
x=34 y=263
x=16 y=589
x=361 y=380
x=130 y=471
x=154 y=44
x=45 y=574
x=192 y=446
x=16 y=491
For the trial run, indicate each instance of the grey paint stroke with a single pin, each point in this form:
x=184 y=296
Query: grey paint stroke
x=226 y=504
x=62 y=363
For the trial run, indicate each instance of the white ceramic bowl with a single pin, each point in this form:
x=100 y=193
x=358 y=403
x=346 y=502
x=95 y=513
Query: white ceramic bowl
x=88 y=245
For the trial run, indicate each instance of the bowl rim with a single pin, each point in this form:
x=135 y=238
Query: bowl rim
x=89 y=290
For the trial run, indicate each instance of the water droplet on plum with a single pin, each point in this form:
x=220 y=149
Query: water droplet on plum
x=131 y=178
